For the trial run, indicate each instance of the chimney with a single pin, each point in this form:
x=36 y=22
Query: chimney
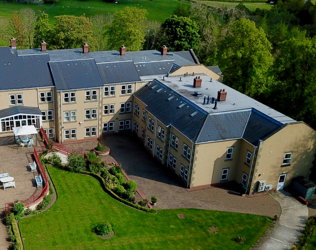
x=164 y=50
x=13 y=43
x=43 y=46
x=221 y=95
x=197 y=82
x=85 y=48
x=122 y=50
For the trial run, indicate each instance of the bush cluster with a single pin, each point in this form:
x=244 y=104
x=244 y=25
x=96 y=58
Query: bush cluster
x=115 y=170
x=16 y=242
x=131 y=186
x=18 y=210
x=103 y=229
x=100 y=147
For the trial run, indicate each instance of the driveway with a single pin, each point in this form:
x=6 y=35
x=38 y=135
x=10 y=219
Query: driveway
x=155 y=180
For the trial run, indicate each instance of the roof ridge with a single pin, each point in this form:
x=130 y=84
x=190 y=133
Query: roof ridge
x=242 y=136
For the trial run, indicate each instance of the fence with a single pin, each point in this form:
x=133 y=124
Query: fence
x=42 y=193
x=66 y=150
x=46 y=140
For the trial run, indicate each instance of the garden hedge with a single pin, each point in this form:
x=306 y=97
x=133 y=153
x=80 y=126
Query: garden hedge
x=16 y=232
x=110 y=192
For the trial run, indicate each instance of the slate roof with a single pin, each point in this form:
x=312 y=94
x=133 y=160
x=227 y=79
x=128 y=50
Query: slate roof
x=154 y=68
x=20 y=110
x=187 y=55
x=215 y=69
x=119 y=72
x=79 y=74
x=168 y=111
x=21 y=72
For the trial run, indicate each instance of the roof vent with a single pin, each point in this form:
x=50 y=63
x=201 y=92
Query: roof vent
x=197 y=82
x=181 y=105
x=153 y=87
x=194 y=113
x=158 y=90
x=170 y=98
x=221 y=95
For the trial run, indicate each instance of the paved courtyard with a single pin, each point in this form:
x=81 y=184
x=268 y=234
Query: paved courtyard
x=155 y=180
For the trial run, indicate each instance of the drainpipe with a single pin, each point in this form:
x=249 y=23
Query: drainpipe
x=191 y=159
x=60 y=118
x=37 y=97
x=252 y=164
x=155 y=134
x=100 y=113
x=169 y=145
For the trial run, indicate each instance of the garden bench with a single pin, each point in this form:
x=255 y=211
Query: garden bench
x=33 y=166
x=39 y=181
x=9 y=184
x=4 y=175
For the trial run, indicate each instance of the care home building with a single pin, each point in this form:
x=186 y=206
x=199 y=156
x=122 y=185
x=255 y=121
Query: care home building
x=202 y=130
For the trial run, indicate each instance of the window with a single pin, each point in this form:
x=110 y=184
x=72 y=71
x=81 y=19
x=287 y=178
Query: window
x=87 y=132
x=121 y=125
x=69 y=97
x=143 y=133
x=70 y=134
x=106 y=109
x=91 y=95
x=123 y=89
x=244 y=179
x=184 y=172
x=136 y=109
x=73 y=116
x=108 y=127
x=16 y=99
x=67 y=134
x=94 y=114
x=159 y=152
x=105 y=127
x=127 y=124
x=50 y=115
x=122 y=109
x=186 y=151
x=44 y=117
x=50 y=133
x=135 y=127
x=128 y=106
x=174 y=141
x=66 y=116
x=73 y=134
x=129 y=89
x=225 y=174
x=149 y=143
x=112 y=109
x=46 y=96
x=91 y=131
x=88 y=95
x=248 y=158
x=144 y=115
x=88 y=115
x=287 y=159
x=172 y=161
x=109 y=91
x=229 y=154
x=161 y=133
x=151 y=124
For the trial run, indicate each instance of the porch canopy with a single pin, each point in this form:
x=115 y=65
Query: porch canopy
x=25 y=130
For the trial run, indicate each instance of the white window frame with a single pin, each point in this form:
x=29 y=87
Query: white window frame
x=87 y=132
x=50 y=115
x=88 y=95
x=161 y=133
x=123 y=89
x=128 y=107
x=66 y=116
x=229 y=153
x=135 y=127
x=174 y=142
x=73 y=133
x=105 y=127
x=112 y=108
x=49 y=94
x=12 y=100
x=111 y=126
x=149 y=143
x=71 y=96
x=44 y=116
x=129 y=89
x=186 y=151
x=105 y=109
x=143 y=133
x=50 y=133
x=121 y=125
x=287 y=159
x=16 y=99
x=93 y=131
x=136 y=109
x=122 y=109
x=73 y=115
x=248 y=157
x=127 y=124
x=151 y=124
x=184 y=172
x=87 y=114
x=94 y=95
x=144 y=115
x=172 y=161
x=225 y=172
x=19 y=99
x=42 y=96
x=159 y=152
x=67 y=134
x=94 y=114
x=109 y=91
x=244 y=179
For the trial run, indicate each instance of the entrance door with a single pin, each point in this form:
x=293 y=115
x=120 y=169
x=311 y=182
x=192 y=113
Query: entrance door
x=281 y=181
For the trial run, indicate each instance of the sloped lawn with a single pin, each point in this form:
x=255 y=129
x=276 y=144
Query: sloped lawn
x=82 y=203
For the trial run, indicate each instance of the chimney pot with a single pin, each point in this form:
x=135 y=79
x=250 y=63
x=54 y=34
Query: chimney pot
x=197 y=82
x=122 y=50
x=164 y=50
x=43 y=45
x=221 y=95
x=85 y=48
x=13 y=43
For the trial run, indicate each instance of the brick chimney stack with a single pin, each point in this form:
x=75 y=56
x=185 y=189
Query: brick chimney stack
x=164 y=50
x=221 y=95
x=13 y=43
x=197 y=82
x=85 y=48
x=122 y=50
x=43 y=46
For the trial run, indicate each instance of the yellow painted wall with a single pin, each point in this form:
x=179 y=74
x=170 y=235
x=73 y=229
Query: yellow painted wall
x=196 y=69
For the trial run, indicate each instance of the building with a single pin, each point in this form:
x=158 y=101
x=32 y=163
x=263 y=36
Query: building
x=204 y=131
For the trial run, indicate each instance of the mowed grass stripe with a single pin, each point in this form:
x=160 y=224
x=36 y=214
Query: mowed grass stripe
x=82 y=203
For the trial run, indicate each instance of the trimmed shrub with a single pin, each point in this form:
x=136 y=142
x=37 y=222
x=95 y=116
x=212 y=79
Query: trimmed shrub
x=154 y=199
x=112 y=182
x=94 y=167
x=100 y=147
x=115 y=170
x=18 y=210
x=76 y=162
x=27 y=211
x=121 y=178
x=103 y=229
x=104 y=173
x=17 y=239
x=131 y=186
x=129 y=195
x=91 y=156
x=143 y=203
x=119 y=190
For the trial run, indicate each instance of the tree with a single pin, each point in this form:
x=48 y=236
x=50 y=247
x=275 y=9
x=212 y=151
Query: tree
x=152 y=34
x=99 y=23
x=244 y=58
x=128 y=28
x=29 y=20
x=42 y=31
x=4 y=31
x=180 y=33
x=71 y=32
x=294 y=92
x=18 y=30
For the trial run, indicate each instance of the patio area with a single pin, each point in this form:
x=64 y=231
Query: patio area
x=15 y=161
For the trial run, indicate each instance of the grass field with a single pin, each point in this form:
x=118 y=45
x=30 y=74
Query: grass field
x=82 y=203
x=230 y=5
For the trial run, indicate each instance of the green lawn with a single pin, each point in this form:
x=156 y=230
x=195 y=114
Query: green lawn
x=158 y=10
x=230 y=5
x=312 y=242
x=82 y=203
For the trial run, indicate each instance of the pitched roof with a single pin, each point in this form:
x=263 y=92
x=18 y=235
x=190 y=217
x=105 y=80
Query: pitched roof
x=79 y=74
x=20 y=72
x=215 y=69
x=154 y=68
x=119 y=72
x=20 y=110
x=181 y=114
